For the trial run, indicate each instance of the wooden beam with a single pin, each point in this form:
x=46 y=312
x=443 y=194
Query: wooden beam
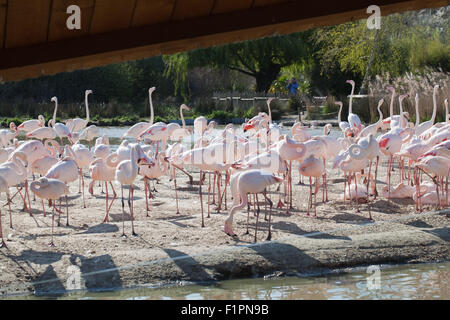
x=167 y=38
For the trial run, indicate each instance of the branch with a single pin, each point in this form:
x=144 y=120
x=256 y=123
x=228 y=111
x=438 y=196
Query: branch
x=241 y=70
x=245 y=64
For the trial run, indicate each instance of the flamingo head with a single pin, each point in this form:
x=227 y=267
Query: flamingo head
x=380 y=103
x=350 y=82
x=403 y=96
x=339 y=103
x=391 y=89
x=54 y=99
x=13 y=126
x=185 y=107
x=88 y=92
x=151 y=89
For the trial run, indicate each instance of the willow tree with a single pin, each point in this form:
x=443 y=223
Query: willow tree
x=261 y=59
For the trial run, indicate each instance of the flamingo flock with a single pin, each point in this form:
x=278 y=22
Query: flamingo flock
x=247 y=162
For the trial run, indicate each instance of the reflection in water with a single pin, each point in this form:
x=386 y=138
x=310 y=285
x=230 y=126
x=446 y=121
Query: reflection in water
x=424 y=281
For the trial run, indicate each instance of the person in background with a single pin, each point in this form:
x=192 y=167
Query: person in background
x=292 y=86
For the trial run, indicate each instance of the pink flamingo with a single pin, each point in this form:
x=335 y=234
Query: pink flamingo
x=139 y=127
x=342 y=124
x=103 y=170
x=312 y=167
x=78 y=124
x=61 y=129
x=373 y=128
x=83 y=157
x=353 y=118
x=32 y=124
x=125 y=174
x=65 y=170
x=251 y=181
x=14 y=172
x=50 y=189
x=7 y=135
x=42 y=165
x=421 y=128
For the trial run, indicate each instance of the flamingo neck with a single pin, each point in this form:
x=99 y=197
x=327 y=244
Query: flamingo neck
x=391 y=107
x=433 y=116
x=417 y=113
x=54 y=113
x=351 y=99
x=87 y=108
x=182 y=117
x=339 y=114
x=151 y=107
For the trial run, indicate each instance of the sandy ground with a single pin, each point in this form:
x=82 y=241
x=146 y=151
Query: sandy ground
x=29 y=264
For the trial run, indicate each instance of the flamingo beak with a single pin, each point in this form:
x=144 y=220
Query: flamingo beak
x=248 y=127
x=383 y=142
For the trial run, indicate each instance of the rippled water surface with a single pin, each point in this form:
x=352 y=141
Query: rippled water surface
x=422 y=281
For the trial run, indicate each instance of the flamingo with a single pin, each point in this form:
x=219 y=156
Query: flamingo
x=299 y=132
x=65 y=170
x=83 y=157
x=421 y=128
x=61 y=129
x=342 y=124
x=50 y=189
x=353 y=119
x=367 y=148
x=153 y=171
x=89 y=134
x=373 y=128
x=126 y=172
x=14 y=172
x=251 y=181
x=176 y=132
x=78 y=124
x=312 y=167
x=43 y=133
x=102 y=148
x=102 y=170
x=139 y=127
x=7 y=135
x=42 y=165
x=32 y=124
x=400 y=191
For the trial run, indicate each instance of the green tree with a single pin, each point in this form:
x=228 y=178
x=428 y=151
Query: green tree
x=261 y=59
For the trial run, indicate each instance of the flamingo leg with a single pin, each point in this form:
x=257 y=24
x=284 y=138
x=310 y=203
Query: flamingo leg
x=368 y=196
x=219 y=197
x=107 y=211
x=123 y=214
x=290 y=185
x=43 y=207
x=82 y=186
x=256 y=226
x=51 y=244
x=375 y=180
x=176 y=191
x=146 y=195
x=132 y=209
x=248 y=215
x=2 y=244
x=201 y=198
x=209 y=190
x=310 y=196
x=356 y=193
x=10 y=216
x=114 y=196
x=269 y=236
x=67 y=210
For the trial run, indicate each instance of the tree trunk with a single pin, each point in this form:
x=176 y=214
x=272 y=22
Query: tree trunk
x=266 y=76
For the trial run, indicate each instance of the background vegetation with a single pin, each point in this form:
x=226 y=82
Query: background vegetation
x=411 y=51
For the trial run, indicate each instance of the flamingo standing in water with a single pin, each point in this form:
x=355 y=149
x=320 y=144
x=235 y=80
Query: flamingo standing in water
x=251 y=181
x=50 y=189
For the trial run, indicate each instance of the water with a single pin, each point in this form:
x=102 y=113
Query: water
x=421 y=281
x=115 y=133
